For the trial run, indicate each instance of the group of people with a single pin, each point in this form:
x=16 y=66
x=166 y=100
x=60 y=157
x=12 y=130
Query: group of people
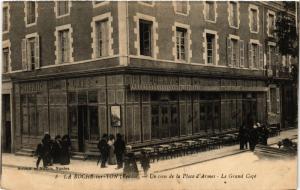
x=253 y=134
x=112 y=150
x=53 y=151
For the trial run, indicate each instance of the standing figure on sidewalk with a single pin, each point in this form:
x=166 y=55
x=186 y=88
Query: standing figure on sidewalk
x=130 y=169
x=43 y=151
x=145 y=163
x=253 y=137
x=104 y=149
x=66 y=148
x=111 y=155
x=242 y=134
x=265 y=135
x=119 y=150
x=56 y=150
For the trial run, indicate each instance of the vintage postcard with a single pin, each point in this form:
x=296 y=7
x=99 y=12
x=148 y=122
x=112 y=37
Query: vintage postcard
x=171 y=95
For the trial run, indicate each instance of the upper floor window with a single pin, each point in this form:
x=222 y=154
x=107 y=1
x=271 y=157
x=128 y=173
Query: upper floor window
x=31 y=52
x=5 y=59
x=149 y=3
x=235 y=51
x=5 y=19
x=256 y=57
x=181 y=7
x=64 y=46
x=31 y=12
x=99 y=3
x=145 y=37
x=210 y=11
x=62 y=8
x=210 y=48
x=271 y=23
x=253 y=15
x=233 y=14
x=271 y=55
x=181 y=43
x=101 y=38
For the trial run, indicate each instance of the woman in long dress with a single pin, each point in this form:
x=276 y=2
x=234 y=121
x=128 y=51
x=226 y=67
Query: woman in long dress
x=111 y=156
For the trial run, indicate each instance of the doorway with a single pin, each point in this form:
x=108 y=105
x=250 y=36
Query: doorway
x=82 y=122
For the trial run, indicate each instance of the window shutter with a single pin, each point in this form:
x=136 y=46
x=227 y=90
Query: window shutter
x=37 y=52
x=242 y=53
x=278 y=100
x=276 y=61
x=28 y=58
x=229 y=52
x=250 y=56
x=24 y=55
x=261 y=57
x=269 y=100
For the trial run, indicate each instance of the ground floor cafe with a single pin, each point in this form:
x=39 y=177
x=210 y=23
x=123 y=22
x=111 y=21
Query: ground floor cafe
x=145 y=109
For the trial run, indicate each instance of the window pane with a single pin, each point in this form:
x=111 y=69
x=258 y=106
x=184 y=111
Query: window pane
x=5 y=19
x=145 y=38
x=30 y=12
x=5 y=59
x=93 y=97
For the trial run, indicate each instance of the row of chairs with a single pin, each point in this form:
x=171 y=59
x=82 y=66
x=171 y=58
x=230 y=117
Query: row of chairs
x=182 y=148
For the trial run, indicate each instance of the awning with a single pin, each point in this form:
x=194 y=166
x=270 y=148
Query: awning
x=194 y=88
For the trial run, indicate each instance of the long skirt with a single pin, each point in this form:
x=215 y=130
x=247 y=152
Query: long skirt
x=111 y=156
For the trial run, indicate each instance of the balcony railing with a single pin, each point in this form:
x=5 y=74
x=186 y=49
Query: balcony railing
x=279 y=71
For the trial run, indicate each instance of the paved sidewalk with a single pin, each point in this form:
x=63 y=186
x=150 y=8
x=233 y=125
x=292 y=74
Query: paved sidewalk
x=90 y=167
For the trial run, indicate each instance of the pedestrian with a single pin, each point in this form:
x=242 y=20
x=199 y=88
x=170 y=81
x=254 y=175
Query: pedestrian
x=253 y=137
x=119 y=150
x=242 y=136
x=145 y=163
x=265 y=135
x=130 y=169
x=56 y=149
x=111 y=155
x=66 y=148
x=247 y=137
x=43 y=151
x=104 y=150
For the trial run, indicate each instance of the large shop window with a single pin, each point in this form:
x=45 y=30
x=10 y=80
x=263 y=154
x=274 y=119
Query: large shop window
x=145 y=37
x=165 y=116
x=83 y=116
x=29 y=115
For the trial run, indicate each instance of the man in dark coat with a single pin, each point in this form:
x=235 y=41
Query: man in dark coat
x=56 y=149
x=43 y=151
x=253 y=137
x=242 y=134
x=65 y=153
x=119 y=150
x=104 y=150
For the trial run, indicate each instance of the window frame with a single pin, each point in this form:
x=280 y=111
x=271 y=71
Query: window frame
x=26 y=13
x=216 y=47
x=6 y=6
x=109 y=29
x=238 y=58
x=180 y=13
x=58 y=45
x=6 y=44
x=56 y=9
x=206 y=17
x=96 y=5
x=147 y=4
x=270 y=12
x=250 y=8
x=230 y=14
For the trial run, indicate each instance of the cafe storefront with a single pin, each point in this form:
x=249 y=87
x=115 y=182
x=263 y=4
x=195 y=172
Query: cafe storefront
x=146 y=109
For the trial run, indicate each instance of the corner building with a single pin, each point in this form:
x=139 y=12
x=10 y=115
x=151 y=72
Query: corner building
x=155 y=72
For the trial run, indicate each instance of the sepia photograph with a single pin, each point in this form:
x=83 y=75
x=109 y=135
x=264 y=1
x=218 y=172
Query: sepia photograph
x=146 y=95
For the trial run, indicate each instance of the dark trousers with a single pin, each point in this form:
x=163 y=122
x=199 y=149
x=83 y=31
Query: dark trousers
x=119 y=160
x=242 y=143
x=103 y=160
x=39 y=160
